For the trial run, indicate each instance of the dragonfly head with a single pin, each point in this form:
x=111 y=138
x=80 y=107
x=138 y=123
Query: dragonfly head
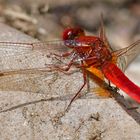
x=72 y=33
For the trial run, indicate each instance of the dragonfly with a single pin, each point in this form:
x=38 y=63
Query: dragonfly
x=95 y=52
x=88 y=53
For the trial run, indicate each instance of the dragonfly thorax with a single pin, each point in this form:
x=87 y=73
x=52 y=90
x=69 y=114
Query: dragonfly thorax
x=90 y=49
x=93 y=52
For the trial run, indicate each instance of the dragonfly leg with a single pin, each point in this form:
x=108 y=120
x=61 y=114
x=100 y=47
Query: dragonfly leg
x=114 y=88
x=78 y=93
x=109 y=83
x=67 y=66
x=63 y=55
x=88 y=84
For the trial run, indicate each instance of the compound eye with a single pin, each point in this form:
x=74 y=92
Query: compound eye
x=72 y=33
x=68 y=34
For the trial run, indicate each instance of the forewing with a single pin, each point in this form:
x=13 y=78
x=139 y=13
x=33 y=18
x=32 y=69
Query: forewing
x=126 y=55
x=26 y=55
x=102 y=34
x=26 y=66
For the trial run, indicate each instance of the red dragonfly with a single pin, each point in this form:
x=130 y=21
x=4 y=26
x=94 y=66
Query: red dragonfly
x=95 y=52
x=89 y=53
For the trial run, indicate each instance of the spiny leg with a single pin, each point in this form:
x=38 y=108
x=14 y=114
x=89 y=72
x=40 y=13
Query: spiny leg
x=67 y=67
x=114 y=88
x=63 y=55
x=77 y=94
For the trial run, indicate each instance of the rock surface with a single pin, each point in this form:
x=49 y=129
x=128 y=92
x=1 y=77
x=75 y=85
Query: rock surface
x=34 y=113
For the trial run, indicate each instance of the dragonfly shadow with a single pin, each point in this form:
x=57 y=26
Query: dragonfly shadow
x=35 y=102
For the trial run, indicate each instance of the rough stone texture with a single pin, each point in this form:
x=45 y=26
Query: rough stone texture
x=32 y=106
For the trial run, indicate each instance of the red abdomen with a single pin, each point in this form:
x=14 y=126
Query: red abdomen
x=117 y=77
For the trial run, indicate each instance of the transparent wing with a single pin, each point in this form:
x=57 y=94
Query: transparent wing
x=126 y=55
x=102 y=34
x=46 y=82
x=28 y=66
x=26 y=55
